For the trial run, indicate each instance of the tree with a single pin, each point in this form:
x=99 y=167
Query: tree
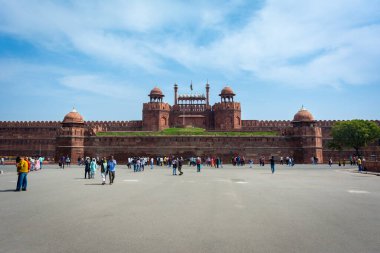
x=355 y=133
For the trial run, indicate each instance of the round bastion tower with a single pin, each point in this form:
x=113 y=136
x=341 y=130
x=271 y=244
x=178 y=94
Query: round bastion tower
x=227 y=113
x=307 y=137
x=156 y=112
x=70 y=137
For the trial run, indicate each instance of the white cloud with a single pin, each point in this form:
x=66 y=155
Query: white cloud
x=336 y=43
x=101 y=85
x=297 y=43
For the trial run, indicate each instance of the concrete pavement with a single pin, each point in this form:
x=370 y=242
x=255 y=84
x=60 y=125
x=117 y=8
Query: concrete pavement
x=301 y=209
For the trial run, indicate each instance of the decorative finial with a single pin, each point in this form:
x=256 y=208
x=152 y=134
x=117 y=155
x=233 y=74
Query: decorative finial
x=74 y=110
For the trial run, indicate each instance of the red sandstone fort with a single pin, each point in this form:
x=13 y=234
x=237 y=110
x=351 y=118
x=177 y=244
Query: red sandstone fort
x=302 y=137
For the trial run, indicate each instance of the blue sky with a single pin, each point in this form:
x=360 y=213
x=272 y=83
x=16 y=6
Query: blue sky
x=103 y=57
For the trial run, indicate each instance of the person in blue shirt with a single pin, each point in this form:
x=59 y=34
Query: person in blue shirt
x=111 y=166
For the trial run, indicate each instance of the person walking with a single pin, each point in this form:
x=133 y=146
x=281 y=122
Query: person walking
x=103 y=170
x=37 y=165
x=87 y=168
x=68 y=161
x=111 y=166
x=22 y=171
x=93 y=166
x=199 y=162
x=63 y=161
x=41 y=161
x=250 y=161
x=174 y=164
x=272 y=164
x=330 y=162
x=180 y=162
x=359 y=163
x=151 y=163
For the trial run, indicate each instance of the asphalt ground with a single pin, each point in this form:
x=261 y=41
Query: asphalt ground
x=300 y=209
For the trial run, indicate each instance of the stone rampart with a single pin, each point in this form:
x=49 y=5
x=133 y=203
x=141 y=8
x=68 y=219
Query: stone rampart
x=108 y=126
x=225 y=147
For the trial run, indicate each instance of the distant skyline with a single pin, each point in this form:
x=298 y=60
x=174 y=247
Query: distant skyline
x=104 y=57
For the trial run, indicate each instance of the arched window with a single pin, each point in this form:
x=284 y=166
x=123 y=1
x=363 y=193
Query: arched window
x=163 y=121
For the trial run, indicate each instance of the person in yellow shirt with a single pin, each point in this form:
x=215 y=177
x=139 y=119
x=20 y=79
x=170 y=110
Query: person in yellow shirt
x=359 y=163
x=22 y=171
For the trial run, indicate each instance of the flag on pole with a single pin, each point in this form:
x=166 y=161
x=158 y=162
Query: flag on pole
x=191 y=86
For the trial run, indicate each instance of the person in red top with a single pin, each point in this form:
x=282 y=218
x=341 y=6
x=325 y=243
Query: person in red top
x=199 y=162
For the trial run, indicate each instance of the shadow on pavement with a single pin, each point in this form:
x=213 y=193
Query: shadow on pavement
x=9 y=190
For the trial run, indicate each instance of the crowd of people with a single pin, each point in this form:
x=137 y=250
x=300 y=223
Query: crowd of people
x=358 y=161
x=107 y=166
x=65 y=160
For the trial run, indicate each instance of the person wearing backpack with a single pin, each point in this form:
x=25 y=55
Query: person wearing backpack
x=22 y=171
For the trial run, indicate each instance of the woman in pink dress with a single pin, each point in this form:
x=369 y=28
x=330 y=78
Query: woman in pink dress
x=37 y=164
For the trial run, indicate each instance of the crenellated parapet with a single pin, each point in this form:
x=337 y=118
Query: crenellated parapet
x=266 y=123
x=330 y=123
x=156 y=106
x=226 y=106
x=180 y=108
x=18 y=124
x=104 y=126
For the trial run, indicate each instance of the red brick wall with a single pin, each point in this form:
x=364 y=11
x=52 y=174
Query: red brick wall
x=225 y=147
x=373 y=166
x=28 y=138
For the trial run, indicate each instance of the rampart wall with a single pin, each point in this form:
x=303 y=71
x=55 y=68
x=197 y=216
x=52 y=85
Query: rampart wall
x=28 y=138
x=109 y=126
x=39 y=137
x=225 y=147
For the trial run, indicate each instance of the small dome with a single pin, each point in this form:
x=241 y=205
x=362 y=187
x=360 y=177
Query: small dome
x=156 y=92
x=73 y=117
x=303 y=115
x=227 y=91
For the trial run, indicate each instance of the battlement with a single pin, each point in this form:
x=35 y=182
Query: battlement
x=226 y=106
x=96 y=126
x=156 y=106
x=20 y=124
x=138 y=123
x=191 y=108
x=330 y=123
x=132 y=123
x=266 y=123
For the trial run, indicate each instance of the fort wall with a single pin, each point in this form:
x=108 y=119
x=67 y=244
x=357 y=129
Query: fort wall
x=187 y=146
x=40 y=137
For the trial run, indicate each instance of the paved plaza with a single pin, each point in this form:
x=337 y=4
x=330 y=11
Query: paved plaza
x=301 y=209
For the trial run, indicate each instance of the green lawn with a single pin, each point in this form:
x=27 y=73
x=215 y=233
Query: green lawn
x=186 y=132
